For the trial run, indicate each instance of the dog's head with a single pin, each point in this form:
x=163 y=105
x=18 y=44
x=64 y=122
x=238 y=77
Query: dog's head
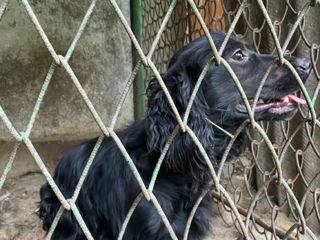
x=218 y=98
x=277 y=100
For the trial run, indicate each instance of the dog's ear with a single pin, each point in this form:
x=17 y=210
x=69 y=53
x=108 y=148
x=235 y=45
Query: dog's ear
x=183 y=155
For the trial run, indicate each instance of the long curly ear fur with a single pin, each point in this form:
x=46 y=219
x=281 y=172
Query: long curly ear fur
x=183 y=155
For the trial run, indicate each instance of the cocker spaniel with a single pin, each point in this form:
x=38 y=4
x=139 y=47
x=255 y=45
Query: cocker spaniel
x=110 y=186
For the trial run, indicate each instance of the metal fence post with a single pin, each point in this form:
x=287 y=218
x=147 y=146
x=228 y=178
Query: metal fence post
x=136 y=24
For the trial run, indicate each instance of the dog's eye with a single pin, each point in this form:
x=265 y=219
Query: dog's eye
x=239 y=56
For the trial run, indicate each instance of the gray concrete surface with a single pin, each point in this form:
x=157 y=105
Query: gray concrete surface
x=101 y=61
x=50 y=152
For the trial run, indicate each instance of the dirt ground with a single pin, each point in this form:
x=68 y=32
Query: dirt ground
x=18 y=207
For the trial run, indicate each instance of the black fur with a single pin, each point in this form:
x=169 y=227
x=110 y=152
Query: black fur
x=110 y=187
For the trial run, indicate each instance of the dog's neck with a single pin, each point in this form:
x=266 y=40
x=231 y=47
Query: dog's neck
x=223 y=135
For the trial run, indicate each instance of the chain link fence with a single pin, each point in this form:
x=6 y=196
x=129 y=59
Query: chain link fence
x=280 y=171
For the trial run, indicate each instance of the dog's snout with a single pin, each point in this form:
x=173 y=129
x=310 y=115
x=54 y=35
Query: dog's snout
x=303 y=65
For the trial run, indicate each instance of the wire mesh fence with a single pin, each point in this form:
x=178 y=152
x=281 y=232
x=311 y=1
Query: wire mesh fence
x=182 y=27
x=167 y=26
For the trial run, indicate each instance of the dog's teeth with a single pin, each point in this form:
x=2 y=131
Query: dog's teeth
x=261 y=100
x=285 y=99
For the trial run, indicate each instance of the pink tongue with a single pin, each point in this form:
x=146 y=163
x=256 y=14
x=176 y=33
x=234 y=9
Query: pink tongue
x=296 y=99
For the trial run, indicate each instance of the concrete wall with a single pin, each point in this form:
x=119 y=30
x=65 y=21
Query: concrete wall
x=101 y=61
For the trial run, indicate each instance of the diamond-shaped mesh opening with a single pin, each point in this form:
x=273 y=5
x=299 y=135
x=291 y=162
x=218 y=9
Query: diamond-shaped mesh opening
x=168 y=26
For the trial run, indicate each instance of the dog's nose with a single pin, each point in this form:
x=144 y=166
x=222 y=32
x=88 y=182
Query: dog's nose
x=303 y=65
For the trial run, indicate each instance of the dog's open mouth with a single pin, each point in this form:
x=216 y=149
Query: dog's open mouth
x=276 y=106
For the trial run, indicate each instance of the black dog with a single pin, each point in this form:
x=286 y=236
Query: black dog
x=110 y=187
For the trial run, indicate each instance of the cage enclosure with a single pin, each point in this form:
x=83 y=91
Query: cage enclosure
x=271 y=191
x=250 y=179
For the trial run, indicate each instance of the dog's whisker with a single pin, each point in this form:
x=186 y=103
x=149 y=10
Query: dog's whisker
x=220 y=128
